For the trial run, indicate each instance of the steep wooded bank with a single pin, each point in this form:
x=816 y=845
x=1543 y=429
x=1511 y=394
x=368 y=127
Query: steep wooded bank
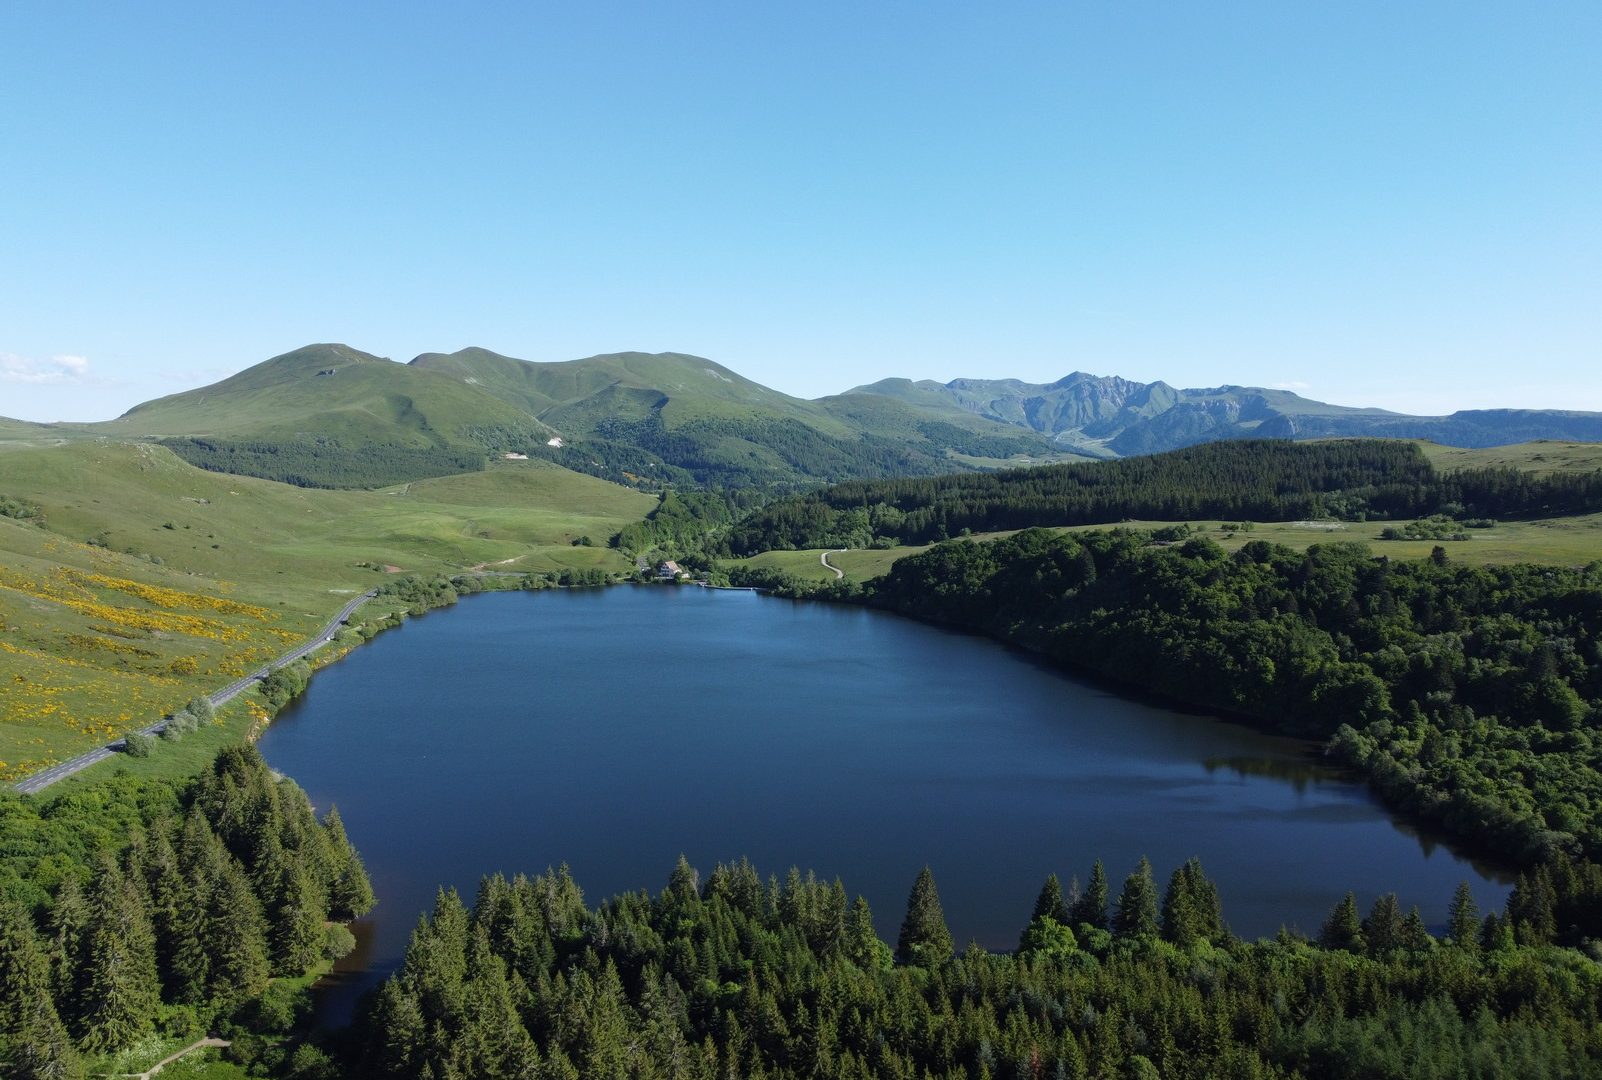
x=1255 y=480
x=143 y=907
x=744 y=978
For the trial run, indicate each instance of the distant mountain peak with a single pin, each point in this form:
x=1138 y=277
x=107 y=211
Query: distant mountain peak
x=1112 y=416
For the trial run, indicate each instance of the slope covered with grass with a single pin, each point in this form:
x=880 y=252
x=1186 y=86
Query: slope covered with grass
x=131 y=581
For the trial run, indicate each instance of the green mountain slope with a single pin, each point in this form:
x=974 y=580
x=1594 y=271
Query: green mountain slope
x=331 y=416
x=333 y=391
x=649 y=417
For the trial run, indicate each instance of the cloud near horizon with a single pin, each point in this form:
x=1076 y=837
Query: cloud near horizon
x=1294 y=384
x=57 y=369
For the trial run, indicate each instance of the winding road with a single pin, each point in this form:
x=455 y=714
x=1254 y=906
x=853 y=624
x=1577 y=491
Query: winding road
x=824 y=559
x=41 y=780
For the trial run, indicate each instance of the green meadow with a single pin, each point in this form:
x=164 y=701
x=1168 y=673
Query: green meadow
x=150 y=581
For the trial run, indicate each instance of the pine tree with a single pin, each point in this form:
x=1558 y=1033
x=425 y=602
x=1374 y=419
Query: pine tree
x=1532 y=908
x=177 y=919
x=925 y=939
x=350 y=892
x=1092 y=906
x=33 y=1041
x=1191 y=911
x=491 y=1035
x=862 y=945
x=295 y=917
x=1382 y=930
x=1050 y=902
x=235 y=935
x=1343 y=929
x=1415 y=935
x=120 y=994
x=69 y=918
x=1137 y=904
x=1463 y=919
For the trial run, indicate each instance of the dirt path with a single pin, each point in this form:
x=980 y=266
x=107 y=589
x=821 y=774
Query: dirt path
x=824 y=559
x=198 y=1044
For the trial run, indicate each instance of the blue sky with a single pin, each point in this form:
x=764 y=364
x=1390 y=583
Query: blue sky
x=1373 y=203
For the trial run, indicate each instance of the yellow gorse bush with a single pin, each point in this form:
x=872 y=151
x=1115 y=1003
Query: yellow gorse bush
x=88 y=682
x=165 y=597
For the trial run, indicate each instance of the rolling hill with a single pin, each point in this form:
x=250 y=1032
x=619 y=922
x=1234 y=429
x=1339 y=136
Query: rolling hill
x=332 y=416
x=640 y=417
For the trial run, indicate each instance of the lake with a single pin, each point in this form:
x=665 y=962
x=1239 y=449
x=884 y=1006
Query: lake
x=613 y=729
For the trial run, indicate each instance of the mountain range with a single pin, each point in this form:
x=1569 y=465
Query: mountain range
x=333 y=416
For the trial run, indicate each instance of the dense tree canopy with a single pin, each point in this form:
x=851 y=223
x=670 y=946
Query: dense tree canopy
x=140 y=905
x=741 y=977
x=1258 y=480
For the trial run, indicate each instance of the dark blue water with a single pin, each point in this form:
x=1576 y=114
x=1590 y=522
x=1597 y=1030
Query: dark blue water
x=613 y=729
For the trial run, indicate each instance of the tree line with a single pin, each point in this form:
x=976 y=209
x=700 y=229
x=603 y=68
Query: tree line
x=326 y=463
x=147 y=906
x=1256 y=479
x=738 y=976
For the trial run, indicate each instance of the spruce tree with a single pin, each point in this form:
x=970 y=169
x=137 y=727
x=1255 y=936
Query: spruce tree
x=120 y=992
x=1191 y=910
x=295 y=917
x=492 y=1035
x=177 y=917
x=862 y=945
x=69 y=918
x=1532 y=908
x=350 y=893
x=1343 y=929
x=33 y=1041
x=1049 y=903
x=1463 y=919
x=1092 y=906
x=1382 y=930
x=925 y=939
x=1137 y=904
x=235 y=935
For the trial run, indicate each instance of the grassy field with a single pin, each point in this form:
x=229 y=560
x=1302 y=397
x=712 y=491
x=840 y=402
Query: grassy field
x=1571 y=541
x=152 y=581
x=1541 y=457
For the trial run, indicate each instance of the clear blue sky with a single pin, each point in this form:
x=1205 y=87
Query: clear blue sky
x=1384 y=204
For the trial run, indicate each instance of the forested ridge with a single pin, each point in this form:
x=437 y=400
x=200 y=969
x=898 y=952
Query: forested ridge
x=148 y=906
x=741 y=977
x=1258 y=480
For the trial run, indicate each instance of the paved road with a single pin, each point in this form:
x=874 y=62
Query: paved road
x=41 y=780
x=824 y=559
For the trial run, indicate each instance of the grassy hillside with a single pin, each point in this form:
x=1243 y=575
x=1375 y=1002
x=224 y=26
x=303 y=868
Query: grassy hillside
x=1541 y=456
x=90 y=649
x=330 y=416
x=651 y=418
